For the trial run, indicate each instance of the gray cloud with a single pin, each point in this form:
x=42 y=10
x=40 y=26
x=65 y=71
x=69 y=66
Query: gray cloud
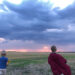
x=31 y=19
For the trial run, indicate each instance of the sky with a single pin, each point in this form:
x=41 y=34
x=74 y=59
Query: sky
x=35 y=25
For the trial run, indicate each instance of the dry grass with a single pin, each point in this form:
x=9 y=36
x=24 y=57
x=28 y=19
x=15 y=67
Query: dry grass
x=34 y=63
x=35 y=69
x=32 y=69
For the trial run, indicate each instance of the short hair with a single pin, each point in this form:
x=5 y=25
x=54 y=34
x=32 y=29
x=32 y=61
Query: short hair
x=53 y=48
x=3 y=52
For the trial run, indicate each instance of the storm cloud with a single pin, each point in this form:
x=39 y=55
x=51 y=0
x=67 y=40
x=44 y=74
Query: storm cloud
x=37 y=21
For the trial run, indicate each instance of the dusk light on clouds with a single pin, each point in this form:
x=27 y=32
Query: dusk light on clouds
x=35 y=25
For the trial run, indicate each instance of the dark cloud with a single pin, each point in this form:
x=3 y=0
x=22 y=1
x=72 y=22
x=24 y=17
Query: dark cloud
x=31 y=19
x=67 y=13
x=33 y=9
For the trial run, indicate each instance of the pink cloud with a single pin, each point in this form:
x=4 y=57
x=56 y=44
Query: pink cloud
x=44 y=49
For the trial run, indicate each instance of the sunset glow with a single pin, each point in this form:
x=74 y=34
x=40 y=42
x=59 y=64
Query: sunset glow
x=44 y=49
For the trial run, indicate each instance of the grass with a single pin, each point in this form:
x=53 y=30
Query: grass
x=19 y=59
x=34 y=63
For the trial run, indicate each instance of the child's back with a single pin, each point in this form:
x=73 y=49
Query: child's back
x=3 y=62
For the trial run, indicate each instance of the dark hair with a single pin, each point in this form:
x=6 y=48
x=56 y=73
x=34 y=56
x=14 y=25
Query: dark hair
x=3 y=53
x=53 y=48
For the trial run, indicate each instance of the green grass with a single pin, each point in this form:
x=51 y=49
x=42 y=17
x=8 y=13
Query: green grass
x=22 y=59
x=22 y=62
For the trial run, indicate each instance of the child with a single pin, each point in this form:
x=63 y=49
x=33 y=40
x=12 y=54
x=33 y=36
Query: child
x=58 y=63
x=3 y=63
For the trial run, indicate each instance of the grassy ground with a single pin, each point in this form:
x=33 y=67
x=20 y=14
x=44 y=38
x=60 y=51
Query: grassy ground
x=34 y=63
x=21 y=59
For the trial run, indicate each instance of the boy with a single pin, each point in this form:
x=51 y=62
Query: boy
x=3 y=63
x=58 y=63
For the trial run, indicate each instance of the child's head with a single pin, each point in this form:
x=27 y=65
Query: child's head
x=3 y=53
x=53 y=48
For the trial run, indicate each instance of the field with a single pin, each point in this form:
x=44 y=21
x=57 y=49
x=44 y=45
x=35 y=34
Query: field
x=34 y=63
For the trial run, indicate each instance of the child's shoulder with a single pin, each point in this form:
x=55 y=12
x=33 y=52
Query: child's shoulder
x=6 y=58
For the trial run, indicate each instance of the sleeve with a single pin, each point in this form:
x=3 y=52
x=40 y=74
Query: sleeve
x=62 y=61
x=52 y=64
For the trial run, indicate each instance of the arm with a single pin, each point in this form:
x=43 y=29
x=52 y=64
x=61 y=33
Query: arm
x=53 y=65
x=62 y=61
x=7 y=61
